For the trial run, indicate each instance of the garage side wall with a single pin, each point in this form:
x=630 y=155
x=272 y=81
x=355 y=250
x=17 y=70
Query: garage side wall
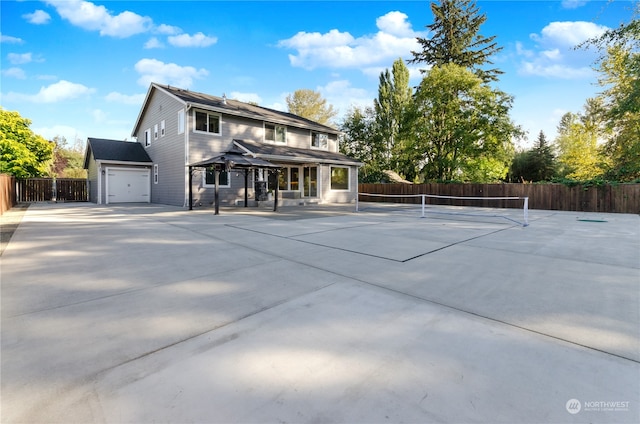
x=92 y=179
x=167 y=150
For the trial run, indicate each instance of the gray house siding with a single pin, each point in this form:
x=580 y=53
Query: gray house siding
x=172 y=152
x=168 y=151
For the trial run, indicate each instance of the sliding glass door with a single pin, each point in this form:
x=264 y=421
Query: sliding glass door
x=310 y=181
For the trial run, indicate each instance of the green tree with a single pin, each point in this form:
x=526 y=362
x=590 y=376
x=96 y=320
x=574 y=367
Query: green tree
x=362 y=141
x=68 y=161
x=394 y=98
x=310 y=104
x=23 y=153
x=456 y=39
x=535 y=164
x=619 y=69
x=461 y=126
x=577 y=144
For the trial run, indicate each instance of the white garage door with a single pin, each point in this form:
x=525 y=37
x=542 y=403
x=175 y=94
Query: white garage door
x=128 y=185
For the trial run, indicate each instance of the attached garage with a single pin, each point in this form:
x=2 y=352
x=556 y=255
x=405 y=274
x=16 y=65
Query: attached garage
x=118 y=172
x=128 y=185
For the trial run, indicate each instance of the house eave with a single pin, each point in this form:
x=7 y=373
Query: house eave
x=257 y=117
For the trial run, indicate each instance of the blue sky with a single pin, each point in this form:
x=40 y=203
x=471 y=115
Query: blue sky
x=81 y=69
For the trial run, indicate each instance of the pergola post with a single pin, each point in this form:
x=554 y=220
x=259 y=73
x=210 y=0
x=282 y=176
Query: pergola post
x=217 y=191
x=246 y=187
x=275 y=199
x=190 y=188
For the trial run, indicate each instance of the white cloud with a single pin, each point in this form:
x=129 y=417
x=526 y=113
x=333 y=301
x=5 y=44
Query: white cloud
x=14 y=72
x=153 y=70
x=39 y=17
x=153 y=43
x=246 y=97
x=555 y=55
x=573 y=4
x=196 y=40
x=568 y=34
x=342 y=95
x=99 y=115
x=10 y=40
x=559 y=71
x=552 y=54
x=88 y=16
x=395 y=23
x=167 y=29
x=133 y=99
x=54 y=93
x=336 y=49
x=69 y=133
x=20 y=59
x=521 y=51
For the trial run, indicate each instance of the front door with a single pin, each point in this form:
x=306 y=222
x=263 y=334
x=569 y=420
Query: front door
x=310 y=181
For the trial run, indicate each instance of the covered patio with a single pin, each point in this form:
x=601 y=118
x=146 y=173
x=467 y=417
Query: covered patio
x=228 y=161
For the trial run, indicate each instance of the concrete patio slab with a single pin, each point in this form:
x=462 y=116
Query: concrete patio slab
x=148 y=313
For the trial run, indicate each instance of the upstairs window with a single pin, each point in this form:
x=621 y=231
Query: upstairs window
x=162 y=126
x=319 y=140
x=147 y=137
x=275 y=133
x=207 y=122
x=155 y=132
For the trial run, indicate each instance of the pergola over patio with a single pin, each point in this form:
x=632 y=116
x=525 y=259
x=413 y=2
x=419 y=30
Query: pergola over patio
x=227 y=161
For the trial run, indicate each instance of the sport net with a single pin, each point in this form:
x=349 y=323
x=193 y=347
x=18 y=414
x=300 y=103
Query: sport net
x=514 y=209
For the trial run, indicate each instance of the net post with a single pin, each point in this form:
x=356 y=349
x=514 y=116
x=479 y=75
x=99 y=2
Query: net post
x=526 y=212
x=423 y=200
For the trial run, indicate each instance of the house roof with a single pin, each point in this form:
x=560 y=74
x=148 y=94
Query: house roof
x=273 y=152
x=234 y=159
x=233 y=107
x=115 y=151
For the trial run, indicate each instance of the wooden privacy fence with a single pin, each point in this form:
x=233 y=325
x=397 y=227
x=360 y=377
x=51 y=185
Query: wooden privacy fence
x=619 y=198
x=48 y=189
x=7 y=192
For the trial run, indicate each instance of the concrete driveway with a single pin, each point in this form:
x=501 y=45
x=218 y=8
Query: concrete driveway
x=147 y=313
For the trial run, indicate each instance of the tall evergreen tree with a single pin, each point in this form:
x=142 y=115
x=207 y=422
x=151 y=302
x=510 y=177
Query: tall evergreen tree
x=456 y=39
x=536 y=164
x=394 y=97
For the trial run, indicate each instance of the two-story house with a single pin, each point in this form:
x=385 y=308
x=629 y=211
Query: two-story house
x=178 y=127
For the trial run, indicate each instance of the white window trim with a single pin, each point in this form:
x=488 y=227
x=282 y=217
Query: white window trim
x=155 y=132
x=208 y=114
x=204 y=181
x=264 y=133
x=181 y=121
x=162 y=128
x=348 y=168
x=155 y=173
x=326 y=147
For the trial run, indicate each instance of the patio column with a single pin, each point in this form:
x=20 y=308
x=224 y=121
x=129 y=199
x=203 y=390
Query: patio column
x=217 y=191
x=275 y=200
x=190 y=188
x=246 y=187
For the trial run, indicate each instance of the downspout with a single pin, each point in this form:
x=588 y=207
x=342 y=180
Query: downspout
x=188 y=178
x=99 y=165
